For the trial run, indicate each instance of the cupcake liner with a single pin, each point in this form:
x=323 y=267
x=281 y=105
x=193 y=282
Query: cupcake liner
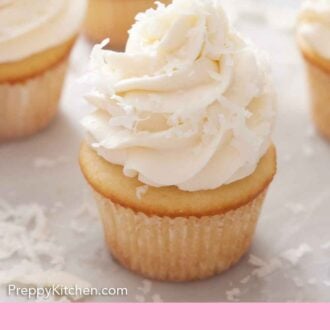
x=29 y=106
x=178 y=249
x=319 y=81
x=113 y=18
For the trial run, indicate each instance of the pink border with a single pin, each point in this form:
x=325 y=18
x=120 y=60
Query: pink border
x=165 y=316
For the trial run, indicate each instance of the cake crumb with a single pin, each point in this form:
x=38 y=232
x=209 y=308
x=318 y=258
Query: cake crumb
x=141 y=191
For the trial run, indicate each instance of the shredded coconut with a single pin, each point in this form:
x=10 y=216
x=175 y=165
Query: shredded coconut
x=308 y=151
x=295 y=208
x=233 y=294
x=140 y=298
x=26 y=248
x=294 y=255
x=78 y=227
x=146 y=288
x=256 y=261
x=141 y=191
x=268 y=268
x=245 y=280
x=157 y=298
x=86 y=209
x=312 y=281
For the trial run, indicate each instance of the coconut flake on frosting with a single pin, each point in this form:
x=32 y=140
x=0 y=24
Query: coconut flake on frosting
x=314 y=26
x=31 y=26
x=188 y=104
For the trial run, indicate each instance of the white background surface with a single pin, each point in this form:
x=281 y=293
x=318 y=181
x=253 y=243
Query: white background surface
x=297 y=209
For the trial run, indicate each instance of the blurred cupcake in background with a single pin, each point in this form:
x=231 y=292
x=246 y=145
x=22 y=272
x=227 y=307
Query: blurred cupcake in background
x=313 y=33
x=36 y=38
x=113 y=18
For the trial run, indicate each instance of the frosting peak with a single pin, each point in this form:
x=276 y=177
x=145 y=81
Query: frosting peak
x=31 y=26
x=314 y=26
x=188 y=104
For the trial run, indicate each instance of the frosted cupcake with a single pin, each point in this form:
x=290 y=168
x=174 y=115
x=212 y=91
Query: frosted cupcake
x=113 y=18
x=179 y=150
x=314 y=41
x=36 y=37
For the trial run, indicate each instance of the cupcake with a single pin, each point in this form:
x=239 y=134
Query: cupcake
x=35 y=41
x=113 y=18
x=313 y=34
x=178 y=150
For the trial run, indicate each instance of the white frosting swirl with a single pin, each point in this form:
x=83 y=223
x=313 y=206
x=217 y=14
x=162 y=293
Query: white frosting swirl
x=30 y=26
x=314 y=26
x=188 y=104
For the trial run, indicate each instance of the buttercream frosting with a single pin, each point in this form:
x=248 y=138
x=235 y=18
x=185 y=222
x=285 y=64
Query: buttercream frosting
x=188 y=104
x=314 y=26
x=31 y=26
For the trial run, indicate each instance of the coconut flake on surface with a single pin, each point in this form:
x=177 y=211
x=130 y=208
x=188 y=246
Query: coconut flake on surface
x=146 y=287
x=298 y=282
x=268 y=268
x=295 y=208
x=27 y=248
x=78 y=227
x=140 y=298
x=245 y=279
x=294 y=255
x=312 y=281
x=263 y=268
x=308 y=151
x=256 y=261
x=31 y=275
x=157 y=298
x=86 y=209
x=233 y=294
x=141 y=191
